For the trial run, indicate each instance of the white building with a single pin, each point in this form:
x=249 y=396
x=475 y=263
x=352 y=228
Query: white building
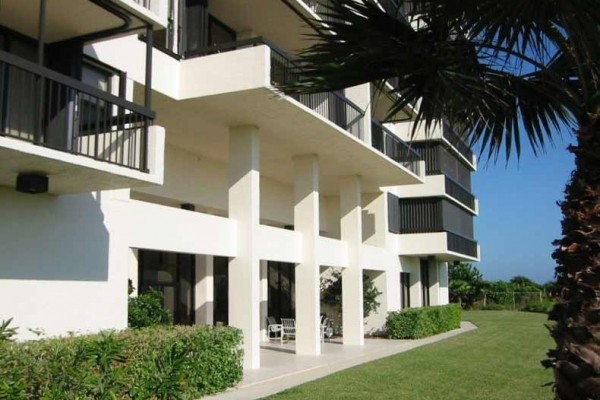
x=214 y=187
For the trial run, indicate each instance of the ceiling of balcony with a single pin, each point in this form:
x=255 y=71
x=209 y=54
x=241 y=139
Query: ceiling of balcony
x=65 y=19
x=200 y=125
x=272 y=19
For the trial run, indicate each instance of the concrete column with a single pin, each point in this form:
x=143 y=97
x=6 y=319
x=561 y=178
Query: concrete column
x=264 y=298
x=134 y=267
x=434 y=282
x=375 y=323
x=244 y=271
x=443 y=274
x=204 y=290
x=352 y=286
x=306 y=221
x=416 y=294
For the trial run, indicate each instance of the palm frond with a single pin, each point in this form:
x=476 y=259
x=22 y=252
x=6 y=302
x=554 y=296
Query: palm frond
x=504 y=71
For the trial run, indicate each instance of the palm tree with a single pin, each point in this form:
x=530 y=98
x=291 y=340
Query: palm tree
x=504 y=72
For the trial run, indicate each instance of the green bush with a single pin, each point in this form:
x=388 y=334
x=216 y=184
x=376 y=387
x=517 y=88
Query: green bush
x=176 y=362
x=415 y=323
x=543 y=307
x=147 y=310
x=495 y=307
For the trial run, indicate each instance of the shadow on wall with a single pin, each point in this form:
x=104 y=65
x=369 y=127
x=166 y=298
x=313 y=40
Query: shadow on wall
x=368 y=225
x=43 y=237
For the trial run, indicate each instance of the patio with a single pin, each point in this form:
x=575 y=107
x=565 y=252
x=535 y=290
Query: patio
x=281 y=368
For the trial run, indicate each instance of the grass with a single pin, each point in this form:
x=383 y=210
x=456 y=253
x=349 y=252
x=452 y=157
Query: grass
x=500 y=360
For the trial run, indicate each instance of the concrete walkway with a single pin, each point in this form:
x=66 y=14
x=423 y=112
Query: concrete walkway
x=282 y=369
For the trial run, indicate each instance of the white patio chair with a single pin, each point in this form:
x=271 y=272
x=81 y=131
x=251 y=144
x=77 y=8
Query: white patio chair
x=289 y=328
x=274 y=330
x=326 y=328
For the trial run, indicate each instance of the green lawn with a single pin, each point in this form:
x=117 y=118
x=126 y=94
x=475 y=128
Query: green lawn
x=500 y=360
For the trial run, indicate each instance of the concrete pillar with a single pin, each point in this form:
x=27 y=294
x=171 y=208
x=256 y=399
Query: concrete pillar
x=264 y=298
x=204 y=290
x=306 y=222
x=443 y=274
x=352 y=286
x=134 y=268
x=375 y=323
x=416 y=294
x=244 y=271
x=434 y=282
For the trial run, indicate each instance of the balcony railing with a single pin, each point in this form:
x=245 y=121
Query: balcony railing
x=332 y=105
x=462 y=245
x=49 y=109
x=459 y=193
x=394 y=147
x=147 y=3
x=457 y=142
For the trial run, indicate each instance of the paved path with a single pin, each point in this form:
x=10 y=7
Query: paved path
x=282 y=369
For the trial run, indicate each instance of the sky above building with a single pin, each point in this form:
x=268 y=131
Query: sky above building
x=519 y=217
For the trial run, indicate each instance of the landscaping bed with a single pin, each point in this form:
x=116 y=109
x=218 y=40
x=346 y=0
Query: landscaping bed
x=164 y=362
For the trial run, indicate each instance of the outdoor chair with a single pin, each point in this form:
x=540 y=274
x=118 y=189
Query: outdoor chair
x=326 y=328
x=288 y=328
x=274 y=330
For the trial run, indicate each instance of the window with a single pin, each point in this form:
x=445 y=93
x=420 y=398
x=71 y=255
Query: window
x=425 y=282
x=221 y=290
x=174 y=275
x=404 y=290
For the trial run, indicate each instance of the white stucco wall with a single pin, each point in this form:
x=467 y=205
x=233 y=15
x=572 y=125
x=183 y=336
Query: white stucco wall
x=56 y=270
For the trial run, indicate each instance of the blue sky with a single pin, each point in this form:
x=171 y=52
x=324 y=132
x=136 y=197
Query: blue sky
x=519 y=218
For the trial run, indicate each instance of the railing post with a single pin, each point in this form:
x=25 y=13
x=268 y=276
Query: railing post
x=148 y=78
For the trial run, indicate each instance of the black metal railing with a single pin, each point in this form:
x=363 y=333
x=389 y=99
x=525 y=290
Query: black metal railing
x=438 y=161
x=456 y=141
x=456 y=191
x=418 y=215
x=49 y=109
x=462 y=245
x=332 y=105
x=145 y=3
x=321 y=8
x=394 y=147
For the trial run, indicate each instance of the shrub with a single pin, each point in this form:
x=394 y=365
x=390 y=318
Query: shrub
x=331 y=293
x=415 y=323
x=543 y=307
x=7 y=333
x=147 y=310
x=174 y=362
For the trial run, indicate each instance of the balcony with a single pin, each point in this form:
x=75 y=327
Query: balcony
x=462 y=245
x=395 y=148
x=282 y=70
x=444 y=246
x=456 y=141
x=441 y=133
x=52 y=124
x=431 y=226
x=68 y=19
x=459 y=193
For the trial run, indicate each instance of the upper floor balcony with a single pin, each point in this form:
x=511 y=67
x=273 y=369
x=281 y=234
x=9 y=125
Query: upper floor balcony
x=432 y=226
x=60 y=121
x=72 y=19
x=78 y=136
x=443 y=133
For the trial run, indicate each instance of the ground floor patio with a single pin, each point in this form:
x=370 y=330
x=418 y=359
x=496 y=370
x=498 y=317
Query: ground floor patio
x=281 y=368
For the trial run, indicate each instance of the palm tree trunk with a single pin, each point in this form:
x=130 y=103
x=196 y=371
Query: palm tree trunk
x=576 y=358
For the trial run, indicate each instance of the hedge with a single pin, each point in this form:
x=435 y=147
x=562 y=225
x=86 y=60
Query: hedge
x=176 y=362
x=415 y=323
